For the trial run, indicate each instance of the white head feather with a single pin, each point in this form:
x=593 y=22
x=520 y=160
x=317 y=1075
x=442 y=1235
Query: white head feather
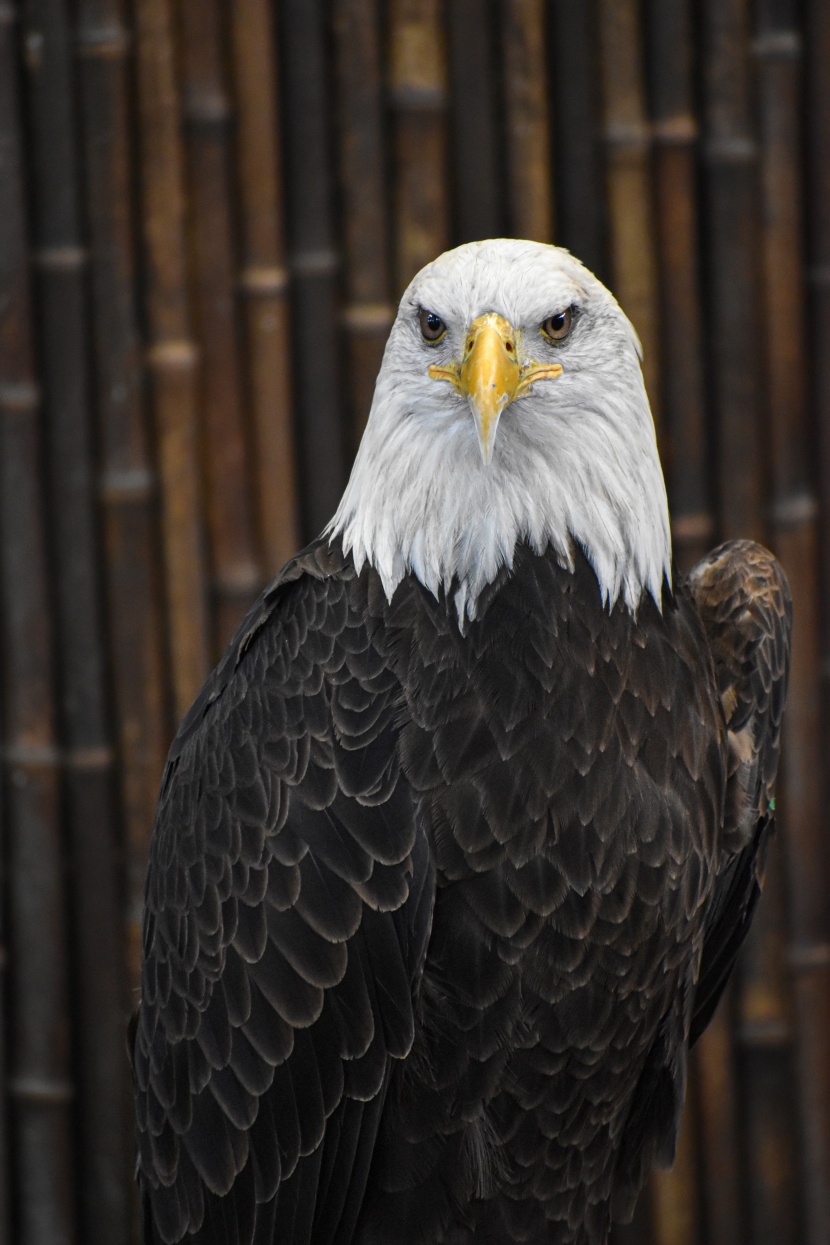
x=575 y=458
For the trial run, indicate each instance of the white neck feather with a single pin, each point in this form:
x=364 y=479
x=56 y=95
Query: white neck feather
x=420 y=499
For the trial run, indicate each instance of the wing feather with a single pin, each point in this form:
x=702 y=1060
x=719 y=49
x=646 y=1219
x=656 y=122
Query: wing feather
x=288 y=904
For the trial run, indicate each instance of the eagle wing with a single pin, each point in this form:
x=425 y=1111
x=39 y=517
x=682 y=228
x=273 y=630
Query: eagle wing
x=288 y=905
x=744 y=602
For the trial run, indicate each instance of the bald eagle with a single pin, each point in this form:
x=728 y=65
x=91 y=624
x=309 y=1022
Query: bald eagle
x=455 y=849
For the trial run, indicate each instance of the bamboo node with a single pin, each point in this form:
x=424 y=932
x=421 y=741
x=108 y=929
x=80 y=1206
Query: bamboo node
x=778 y=45
x=107 y=42
x=263 y=280
x=770 y=1032
x=19 y=398
x=89 y=760
x=631 y=137
x=41 y=1089
x=207 y=108
x=418 y=98
x=680 y=130
x=31 y=757
x=237 y=584
x=730 y=150
x=808 y=959
x=176 y=355
x=60 y=258
x=796 y=510
x=368 y=317
x=693 y=527
x=133 y=484
x=321 y=263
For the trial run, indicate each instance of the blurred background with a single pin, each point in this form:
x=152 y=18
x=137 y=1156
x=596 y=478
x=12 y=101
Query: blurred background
x=208 y=209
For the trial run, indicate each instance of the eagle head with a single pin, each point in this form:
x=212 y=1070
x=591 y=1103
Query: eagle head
x=510 y=407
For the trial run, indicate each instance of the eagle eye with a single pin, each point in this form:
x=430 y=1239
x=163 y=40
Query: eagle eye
x=559 y=326
x=433 y=327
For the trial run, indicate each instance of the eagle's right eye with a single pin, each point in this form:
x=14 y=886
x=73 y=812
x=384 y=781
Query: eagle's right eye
x=432 y=326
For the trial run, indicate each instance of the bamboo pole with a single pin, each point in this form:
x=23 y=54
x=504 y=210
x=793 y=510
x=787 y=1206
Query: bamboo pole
x=39 y=1083
x=98 y=986
x=368 y=314
x=817 y=46
x=11 y=274
x=475 y=164
x=128 y=483
x=235 y=573
x=628 y=149
x=687 y=463
x=674 y=1204
x=172 y=355
x=264 y=277
x=314 y=260
x=418 y=96
x=530 y=176
x=795 y=527
x=686 y=447
x=579 y=175
x=733 y=280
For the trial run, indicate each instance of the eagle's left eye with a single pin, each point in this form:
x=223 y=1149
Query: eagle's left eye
x=558 y=327
x=432 y=326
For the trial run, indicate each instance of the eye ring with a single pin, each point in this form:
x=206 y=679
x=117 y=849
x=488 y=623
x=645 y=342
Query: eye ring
x=433 y=327
x=557 y=327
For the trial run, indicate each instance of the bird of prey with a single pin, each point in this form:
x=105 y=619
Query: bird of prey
x=455 y=849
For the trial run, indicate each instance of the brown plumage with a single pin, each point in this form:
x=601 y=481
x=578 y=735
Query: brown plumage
x=437 y=902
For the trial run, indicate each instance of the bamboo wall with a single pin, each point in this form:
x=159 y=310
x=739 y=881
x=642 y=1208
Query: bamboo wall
x=207 y=211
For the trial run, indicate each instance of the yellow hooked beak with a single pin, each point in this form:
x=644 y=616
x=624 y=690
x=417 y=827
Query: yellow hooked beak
x=489 y=375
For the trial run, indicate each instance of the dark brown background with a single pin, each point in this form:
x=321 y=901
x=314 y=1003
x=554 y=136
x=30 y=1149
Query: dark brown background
x=207 y=211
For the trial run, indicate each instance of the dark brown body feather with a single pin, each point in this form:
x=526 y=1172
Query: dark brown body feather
x=425 y=912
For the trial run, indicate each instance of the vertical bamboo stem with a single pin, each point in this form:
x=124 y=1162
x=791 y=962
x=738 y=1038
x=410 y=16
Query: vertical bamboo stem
x=733 y=286
x=418 y=95
x=314 y=260
x=236 y=575
x=579 y=185
x=368 y=314
x=39 y=1083
x=794 y=520
x=475 y=164
x=127 y=483
x=172 y=355
x=686 y=449
x=631 y=218
x=60 y=261
x=530 y=177
x=264 y=278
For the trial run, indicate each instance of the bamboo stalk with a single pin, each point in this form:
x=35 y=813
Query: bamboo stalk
x=817 y=46
x=530 y=180
x=368 y=314
x=579 y=176
x=314 y=260
x=234 y=558
x=39 y=1083
x=686 y=448
x=418 y=96
x=60 y=262
x=718 y=1110
x=172 y=356
x=795 y=527
x=733 y=280
x=128 y=483
x=628 y=146
x=475 y=163
x=673 y=1192
x=264 y=278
